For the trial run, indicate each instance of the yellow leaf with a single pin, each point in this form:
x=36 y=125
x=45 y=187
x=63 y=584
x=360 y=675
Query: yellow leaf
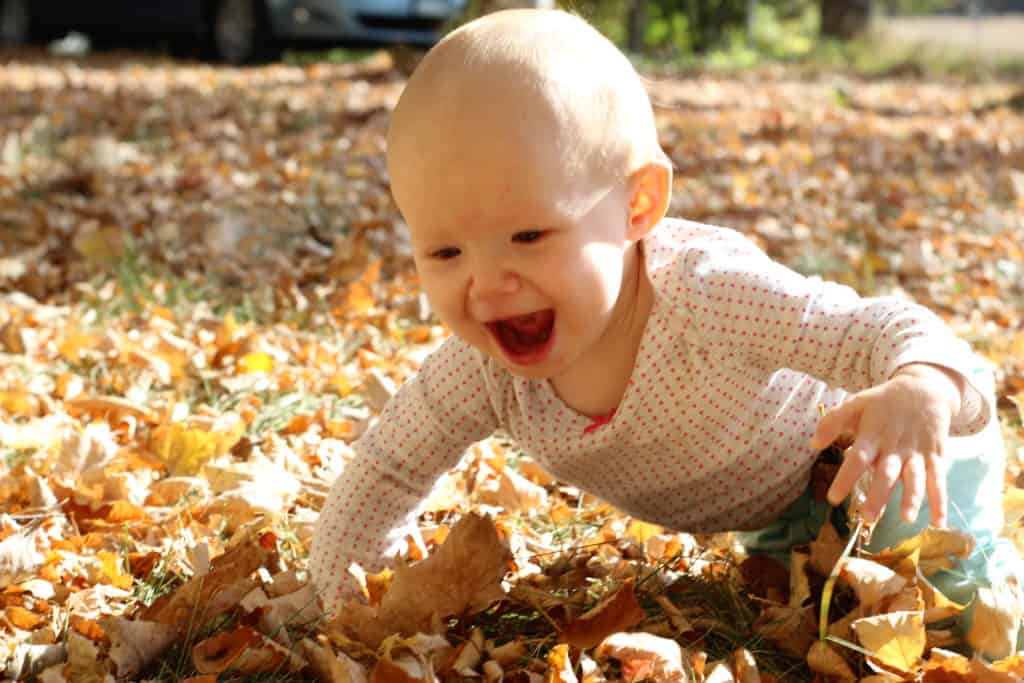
x=100 y=247
x=257 y=361
x=560 y=666
x=187 y=448
x=20 y=403
x=110 y=565
x=642 y=531
x=897 y=639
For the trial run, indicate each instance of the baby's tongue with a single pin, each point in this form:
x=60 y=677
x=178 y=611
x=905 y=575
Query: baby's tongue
x=531 y=324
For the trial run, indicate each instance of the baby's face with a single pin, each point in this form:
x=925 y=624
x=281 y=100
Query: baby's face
x=519 y=256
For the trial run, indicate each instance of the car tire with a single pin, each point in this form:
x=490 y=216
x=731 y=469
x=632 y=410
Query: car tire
x=239 y=32
x=15 y=23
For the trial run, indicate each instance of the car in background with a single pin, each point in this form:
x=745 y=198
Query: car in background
x=235 y=31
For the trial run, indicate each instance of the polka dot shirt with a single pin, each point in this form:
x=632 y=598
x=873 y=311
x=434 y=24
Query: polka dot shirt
x=711 y=434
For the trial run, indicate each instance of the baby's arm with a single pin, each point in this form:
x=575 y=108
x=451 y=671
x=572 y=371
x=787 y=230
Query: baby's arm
x=907 y=365
x=422 y=433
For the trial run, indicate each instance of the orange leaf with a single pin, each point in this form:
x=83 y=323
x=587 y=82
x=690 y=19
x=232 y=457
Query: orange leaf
x=387 y=671
x=23 y=618
x=617 y=613
x=217 y=653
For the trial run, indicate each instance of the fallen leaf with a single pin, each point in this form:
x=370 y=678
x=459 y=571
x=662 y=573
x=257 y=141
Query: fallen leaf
x=462 y=577
x=870 y=580
x=136 y=643
x=560 y=668
x=896 y=639
x=995 y=621
x=823 y=659
x=644 y=656
x=618 y=612
x=244 y=650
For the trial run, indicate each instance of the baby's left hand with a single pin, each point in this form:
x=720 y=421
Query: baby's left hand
x=899 y=429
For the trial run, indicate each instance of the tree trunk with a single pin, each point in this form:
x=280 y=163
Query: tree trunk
x=637 y=25
x=844 y=18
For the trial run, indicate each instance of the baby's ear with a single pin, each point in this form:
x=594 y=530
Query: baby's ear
x=650 y=191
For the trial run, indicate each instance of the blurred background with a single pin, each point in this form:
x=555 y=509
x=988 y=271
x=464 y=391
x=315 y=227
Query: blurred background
x=246 y=31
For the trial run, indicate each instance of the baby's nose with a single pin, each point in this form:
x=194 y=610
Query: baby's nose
x=492 y=281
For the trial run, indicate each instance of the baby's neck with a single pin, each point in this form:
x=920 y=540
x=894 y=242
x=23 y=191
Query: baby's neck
x=595 y=385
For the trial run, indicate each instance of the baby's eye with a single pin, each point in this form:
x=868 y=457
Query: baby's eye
x=528 y=236
x=445 y=254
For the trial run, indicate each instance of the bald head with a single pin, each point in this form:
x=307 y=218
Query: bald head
x=522 y=88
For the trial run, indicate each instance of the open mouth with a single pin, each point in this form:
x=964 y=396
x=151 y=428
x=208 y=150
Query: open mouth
x=525 y=338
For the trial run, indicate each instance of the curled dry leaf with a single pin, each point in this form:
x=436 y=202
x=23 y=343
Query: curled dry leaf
x=799 y=583
x=217 y=591
x=20 y=558
x=870 y=580
x=134 y=644
x=27 y=660
x=618 y=612
x=462 y=576
x=745 y=666
x=995 y=621
x=329 y=667
x=823 y=659
x=516 y=492
x=560 y=666
x=792 y=629
x=466 y=656
x=644 y=656
x=244 y=650
x=719 y=672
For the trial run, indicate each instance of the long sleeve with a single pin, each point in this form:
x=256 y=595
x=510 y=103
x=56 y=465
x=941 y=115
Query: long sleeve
x=747 y=308
x=421 y=434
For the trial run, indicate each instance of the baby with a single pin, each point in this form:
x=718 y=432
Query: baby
x=668 y=367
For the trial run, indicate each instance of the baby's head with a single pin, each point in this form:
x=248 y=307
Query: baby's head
x=524 y=156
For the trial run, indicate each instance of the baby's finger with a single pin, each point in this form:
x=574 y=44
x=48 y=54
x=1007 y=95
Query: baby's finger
x=913 y=478
x=887 y=470
x=832 y=425
x=935 y=468
x=856 y=461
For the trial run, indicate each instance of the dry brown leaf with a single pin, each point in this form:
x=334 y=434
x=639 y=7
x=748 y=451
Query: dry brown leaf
x=134 y=644
x=870 y=580
x=618 y=612
x=823 y=659
x=516 y=493
x=826 y=549
x=745 y=666
x=799 y=584
x=644 y=656
x=462 y=576
x=329 y=667
x=896 y=639
x=244 y=650
x=216 y=592
x=20 y=558
x=995 y=621
x=792 y=629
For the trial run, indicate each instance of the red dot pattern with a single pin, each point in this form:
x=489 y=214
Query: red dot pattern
x=711 y=434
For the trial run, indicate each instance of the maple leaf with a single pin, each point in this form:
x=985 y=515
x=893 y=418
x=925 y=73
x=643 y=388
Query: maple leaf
x=618 y=612
x=462 y=577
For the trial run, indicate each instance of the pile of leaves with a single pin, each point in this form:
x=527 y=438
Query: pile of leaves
x=206 y=295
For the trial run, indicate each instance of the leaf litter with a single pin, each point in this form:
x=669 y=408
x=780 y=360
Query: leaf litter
x=206 y=295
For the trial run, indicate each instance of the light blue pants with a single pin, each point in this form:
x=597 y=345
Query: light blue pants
x=975 y=485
